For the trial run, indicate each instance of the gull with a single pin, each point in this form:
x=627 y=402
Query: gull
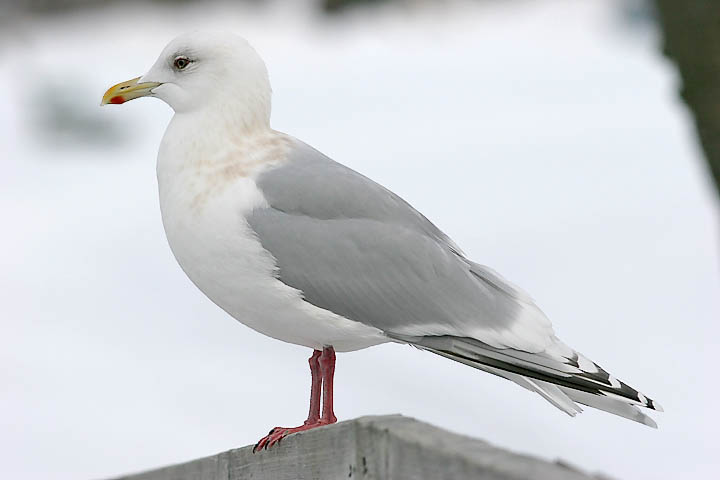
x=305 y=250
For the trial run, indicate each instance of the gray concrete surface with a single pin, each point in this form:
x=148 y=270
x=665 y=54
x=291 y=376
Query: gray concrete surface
x=380 y=447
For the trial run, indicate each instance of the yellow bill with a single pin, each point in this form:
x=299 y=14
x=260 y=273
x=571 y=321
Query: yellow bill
x=126 y=91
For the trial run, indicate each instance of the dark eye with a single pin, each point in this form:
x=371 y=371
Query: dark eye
x=181 y=62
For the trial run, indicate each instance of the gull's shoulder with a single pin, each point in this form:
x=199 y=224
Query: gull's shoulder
x=311 y=184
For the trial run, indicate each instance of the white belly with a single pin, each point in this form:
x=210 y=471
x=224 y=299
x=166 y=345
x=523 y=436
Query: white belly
x=219 y=252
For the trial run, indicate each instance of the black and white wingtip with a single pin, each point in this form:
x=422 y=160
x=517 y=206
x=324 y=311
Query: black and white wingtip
x=607 y=384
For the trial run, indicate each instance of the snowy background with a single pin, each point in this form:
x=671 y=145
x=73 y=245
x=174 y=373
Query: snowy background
x=546 y=137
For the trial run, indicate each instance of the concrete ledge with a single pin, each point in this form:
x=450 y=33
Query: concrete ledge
x=384 y=447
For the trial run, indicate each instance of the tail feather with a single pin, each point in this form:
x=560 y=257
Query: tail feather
x=610 y=405
x=560 y=375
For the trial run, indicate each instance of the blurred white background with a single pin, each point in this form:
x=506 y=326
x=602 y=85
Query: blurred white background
x=546 y=137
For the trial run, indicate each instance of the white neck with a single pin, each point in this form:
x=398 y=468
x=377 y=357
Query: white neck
x=201 y=135
x=204 y=152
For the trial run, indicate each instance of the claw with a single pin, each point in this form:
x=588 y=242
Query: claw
x=277 y=434
x=257 y=445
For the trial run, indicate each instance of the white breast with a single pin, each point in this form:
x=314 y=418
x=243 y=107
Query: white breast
x=204 y=220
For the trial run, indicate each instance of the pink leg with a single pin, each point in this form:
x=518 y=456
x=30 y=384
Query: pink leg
x=327 y=370
x=315 y=384
x=322 y=370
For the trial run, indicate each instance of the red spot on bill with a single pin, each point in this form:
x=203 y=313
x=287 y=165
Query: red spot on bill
x=117 y=100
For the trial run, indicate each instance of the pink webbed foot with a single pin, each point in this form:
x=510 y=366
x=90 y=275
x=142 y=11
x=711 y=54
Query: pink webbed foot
x=322 y=369
x=278 y=433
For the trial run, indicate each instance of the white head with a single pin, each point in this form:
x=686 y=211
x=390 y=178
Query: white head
x=201 y=70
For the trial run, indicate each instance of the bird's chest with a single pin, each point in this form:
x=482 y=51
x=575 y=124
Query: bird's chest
x=205 y=195
x=207 y=232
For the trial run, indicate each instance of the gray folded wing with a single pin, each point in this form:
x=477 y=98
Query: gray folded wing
x=356 y=249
